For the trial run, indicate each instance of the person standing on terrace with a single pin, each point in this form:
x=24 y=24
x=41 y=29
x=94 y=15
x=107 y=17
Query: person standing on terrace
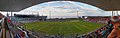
x=1 y=19
x=115 y=33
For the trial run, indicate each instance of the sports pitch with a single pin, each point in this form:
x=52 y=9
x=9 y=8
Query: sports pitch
x=65 y=28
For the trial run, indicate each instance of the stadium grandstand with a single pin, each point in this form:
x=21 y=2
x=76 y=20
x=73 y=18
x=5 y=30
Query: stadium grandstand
x=29 y=18
x=98 y=19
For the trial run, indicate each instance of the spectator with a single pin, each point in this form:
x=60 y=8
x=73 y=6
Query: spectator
x=1 y=19
x=115 y=32
x=110 y=26
x=1 y=16
x=103 y=32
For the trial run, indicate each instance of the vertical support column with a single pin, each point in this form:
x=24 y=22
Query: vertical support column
x=7 y=14
x=117 y=13
x=112 y=13
x=11 y=15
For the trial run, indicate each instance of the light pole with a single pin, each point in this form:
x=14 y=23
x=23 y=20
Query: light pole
x=77 y=14
x=50 y=14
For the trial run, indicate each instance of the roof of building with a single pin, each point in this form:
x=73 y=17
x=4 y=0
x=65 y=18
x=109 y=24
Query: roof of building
x=18 y=5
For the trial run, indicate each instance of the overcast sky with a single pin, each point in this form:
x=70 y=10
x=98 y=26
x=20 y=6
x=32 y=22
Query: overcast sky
x=64 y=9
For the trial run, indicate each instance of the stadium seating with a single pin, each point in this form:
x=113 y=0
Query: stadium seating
x=8 y=30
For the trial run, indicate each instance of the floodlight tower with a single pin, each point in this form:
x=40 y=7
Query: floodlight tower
x=50 y=14
x=77 y=14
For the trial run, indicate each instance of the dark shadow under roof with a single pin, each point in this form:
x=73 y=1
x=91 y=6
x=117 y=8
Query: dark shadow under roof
x=18 y=5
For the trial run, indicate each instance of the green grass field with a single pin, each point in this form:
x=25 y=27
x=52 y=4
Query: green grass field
x=65 y=28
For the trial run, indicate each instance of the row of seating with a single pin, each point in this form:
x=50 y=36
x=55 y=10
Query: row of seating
x=8 y=30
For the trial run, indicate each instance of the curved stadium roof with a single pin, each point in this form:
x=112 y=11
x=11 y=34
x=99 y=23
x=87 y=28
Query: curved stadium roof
x=18 y=5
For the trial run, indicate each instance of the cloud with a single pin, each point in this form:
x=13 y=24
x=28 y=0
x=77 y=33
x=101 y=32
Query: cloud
x=66 y=8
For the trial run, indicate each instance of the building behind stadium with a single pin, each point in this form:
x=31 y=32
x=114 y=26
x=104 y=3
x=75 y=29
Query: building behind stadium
x=28 y=18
